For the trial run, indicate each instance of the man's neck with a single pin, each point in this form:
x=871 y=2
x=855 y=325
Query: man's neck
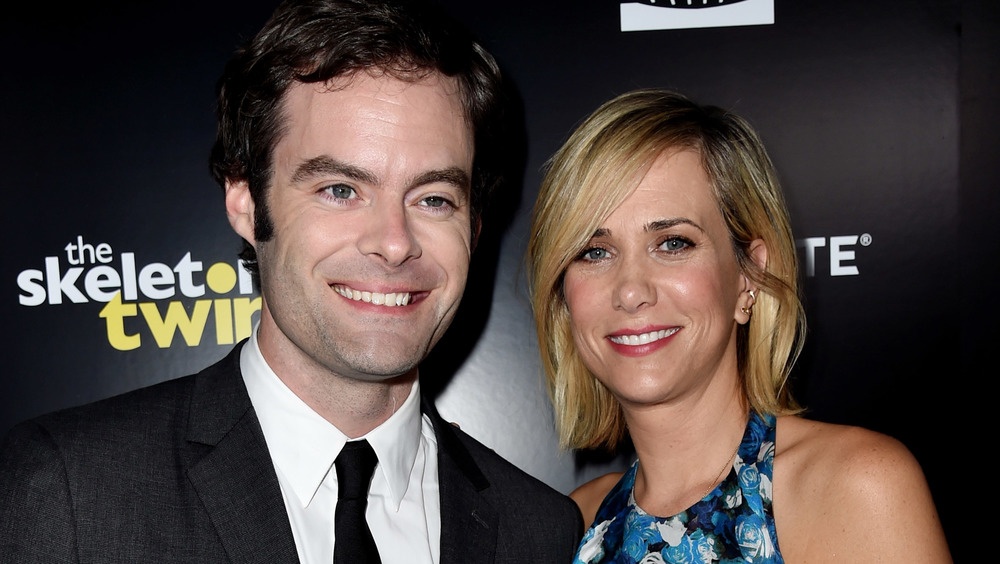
x=354 y=405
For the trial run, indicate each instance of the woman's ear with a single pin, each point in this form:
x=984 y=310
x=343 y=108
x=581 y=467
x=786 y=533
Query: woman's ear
x=748 y=296
x=240 y=209
x=758 y=253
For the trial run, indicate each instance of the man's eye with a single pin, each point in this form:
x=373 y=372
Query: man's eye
x=341 y=191
x=436 y=202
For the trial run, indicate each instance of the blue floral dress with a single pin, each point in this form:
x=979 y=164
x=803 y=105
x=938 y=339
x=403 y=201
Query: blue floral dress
x=733 y=523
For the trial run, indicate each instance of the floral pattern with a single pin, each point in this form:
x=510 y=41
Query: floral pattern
x=733 y=524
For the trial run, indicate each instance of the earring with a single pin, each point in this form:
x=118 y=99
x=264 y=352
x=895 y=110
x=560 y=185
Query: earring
x=749 y=309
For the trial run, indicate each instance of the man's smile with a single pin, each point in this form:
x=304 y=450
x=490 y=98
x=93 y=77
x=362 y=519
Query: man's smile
x=391 y=299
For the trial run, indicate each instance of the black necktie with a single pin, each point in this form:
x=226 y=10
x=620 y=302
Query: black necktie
x=353 y=543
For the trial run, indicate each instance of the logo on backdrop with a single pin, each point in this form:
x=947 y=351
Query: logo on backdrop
x=647 y=15
x=839 y=251
x=87 y=272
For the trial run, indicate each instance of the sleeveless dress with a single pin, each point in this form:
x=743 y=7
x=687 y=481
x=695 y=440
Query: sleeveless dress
x=733 y=524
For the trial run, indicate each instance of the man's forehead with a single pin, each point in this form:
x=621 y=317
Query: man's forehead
x=359 y=119
x=384 y=84
x=350 y=97
x=400 y=78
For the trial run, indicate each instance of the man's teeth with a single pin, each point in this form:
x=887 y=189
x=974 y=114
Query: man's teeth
x=391 y=299
x=644 y=338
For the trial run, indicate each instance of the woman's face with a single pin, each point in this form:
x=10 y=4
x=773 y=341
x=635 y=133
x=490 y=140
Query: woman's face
x=655 y=296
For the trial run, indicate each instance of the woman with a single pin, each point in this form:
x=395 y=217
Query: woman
x=665 y=292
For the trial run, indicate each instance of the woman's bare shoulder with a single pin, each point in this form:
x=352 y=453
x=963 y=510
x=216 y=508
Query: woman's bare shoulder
x=844 y=456
x=590 y=495
x=798 y=436
x=843 y=459
x=840 y=486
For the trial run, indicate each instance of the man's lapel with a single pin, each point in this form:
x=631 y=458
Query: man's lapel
x=468 y=522
x=235 y=479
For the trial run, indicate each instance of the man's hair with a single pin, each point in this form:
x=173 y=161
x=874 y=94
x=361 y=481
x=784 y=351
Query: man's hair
x=597 y=168
x=316 y=41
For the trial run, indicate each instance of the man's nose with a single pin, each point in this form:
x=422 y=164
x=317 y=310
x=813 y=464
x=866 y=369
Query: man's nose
x=388 y=235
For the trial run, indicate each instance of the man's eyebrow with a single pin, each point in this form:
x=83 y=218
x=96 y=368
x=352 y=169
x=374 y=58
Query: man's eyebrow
x=325 y=166
x=452 y=175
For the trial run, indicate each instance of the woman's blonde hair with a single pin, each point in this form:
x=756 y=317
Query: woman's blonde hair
x=590 y=176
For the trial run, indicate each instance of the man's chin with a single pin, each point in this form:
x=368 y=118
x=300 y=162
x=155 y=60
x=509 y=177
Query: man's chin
x=376 y=366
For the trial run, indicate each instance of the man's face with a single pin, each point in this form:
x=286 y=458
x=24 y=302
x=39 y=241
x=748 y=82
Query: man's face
x=370 y=202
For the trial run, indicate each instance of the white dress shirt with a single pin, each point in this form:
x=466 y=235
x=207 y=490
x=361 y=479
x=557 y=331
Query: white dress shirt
x=404 y=509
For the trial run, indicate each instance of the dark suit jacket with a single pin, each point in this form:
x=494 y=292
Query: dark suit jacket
x=180 y=472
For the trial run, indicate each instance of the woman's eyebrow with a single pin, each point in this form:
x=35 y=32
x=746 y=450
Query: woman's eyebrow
x=661 y=224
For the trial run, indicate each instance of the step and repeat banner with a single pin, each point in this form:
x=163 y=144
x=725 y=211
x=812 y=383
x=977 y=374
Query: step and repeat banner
x=120 y=268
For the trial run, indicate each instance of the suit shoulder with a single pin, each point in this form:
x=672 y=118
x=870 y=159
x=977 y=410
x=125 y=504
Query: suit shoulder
x=532 y=510
x=515 y=485
x=138 y=410
x=496 y=467
x=124 y=412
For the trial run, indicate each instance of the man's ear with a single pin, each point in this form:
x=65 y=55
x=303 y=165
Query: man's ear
x=240 y=209
x=477 y=227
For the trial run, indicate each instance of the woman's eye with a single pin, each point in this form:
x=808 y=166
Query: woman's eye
x=675 y=244
x=595 y=253
x=341 y=191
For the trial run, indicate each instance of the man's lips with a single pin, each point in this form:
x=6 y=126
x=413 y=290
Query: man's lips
x=391 y=299
x=635 y=339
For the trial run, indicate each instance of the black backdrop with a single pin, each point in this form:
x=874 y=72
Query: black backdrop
x=881 y=117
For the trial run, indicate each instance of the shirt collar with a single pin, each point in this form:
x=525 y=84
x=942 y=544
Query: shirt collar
x=303 y=445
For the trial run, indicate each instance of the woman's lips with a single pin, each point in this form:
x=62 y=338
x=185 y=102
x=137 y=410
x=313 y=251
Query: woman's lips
x=634 y=339
x=641 y=343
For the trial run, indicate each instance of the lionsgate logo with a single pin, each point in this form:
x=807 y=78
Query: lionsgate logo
x=648 y=15
x=835 y=256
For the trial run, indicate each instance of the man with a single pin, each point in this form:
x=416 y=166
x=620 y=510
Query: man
x=353 y=149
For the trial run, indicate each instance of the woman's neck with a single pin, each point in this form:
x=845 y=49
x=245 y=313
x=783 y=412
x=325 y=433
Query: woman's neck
x=686 y=448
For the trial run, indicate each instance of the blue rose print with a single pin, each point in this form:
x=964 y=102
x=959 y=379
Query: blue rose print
x=733 y=524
